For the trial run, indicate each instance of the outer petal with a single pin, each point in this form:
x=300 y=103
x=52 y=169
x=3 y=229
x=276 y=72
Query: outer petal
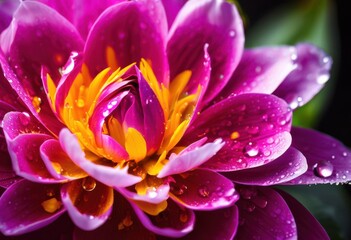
x=88 y=202
x=172 y=8
x=7 y=8
x=44 y=38
x=58 y=163
x=307 y=225
x=218 y=224
x=264 y=214
x=190 y=159
x=203 y=190
x=216 y=23
x=254 y=127
x=308 y=78
x=24 y=137
x=123 y=224
x=174 y=221
x=285 y=168
x=260 y=70
x=114 y=177
x=82 y=13
x=131 y=38
x=22 y=208
x=328 y=159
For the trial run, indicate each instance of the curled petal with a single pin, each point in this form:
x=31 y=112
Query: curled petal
x=175 y=221
x=285 y=168
x=129 y=39
x=190 y=158
x=312 y=72
x=88 y=202
x=122 y=224
x=58 y=163
x=307 y=224
x=27 y=206
x=328 y=159
x=265 y=214
x=254 y=127
x=216 y=23
x=114 y=177
x=261 y=70
x=203 y=190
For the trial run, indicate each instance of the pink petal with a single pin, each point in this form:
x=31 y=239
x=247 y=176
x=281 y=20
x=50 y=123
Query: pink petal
x=254 y=128
x=216 y=23
x=22 y=210
x=131 y=38
x=172 y=8
x=307 y=225
x=190 y=159
x=58 y=163
x=203 y=190
x=312 y=72
x=114 y=177
x=175 y=221
x=328 y=159
x=123 y=224
x=285 y=168
x=264 y=214
x=7 y=8
x=260 y=70
x=88 y=202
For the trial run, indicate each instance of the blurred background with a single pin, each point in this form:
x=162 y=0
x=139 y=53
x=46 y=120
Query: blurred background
x=323 y=23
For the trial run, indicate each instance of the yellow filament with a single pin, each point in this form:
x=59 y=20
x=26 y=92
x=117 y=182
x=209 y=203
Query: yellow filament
x=135 y=145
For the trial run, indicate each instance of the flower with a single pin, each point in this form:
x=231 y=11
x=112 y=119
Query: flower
x=148 y=118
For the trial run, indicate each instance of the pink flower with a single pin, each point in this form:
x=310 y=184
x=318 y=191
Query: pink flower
x=123 y=113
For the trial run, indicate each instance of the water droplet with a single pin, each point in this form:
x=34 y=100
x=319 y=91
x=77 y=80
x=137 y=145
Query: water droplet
x=248 y=193
x=253 y=129
x=251 y=150
x=232 y=33
x=323 y=169
x=50 y=192
x=51 y=205
x=151 y=192
x=344 y=154
x=204 y=191
x=36 y=101
x=234 y=135
x=183 y=217
x=323 y=78
x=175 y=189
x=80 y=103
x=88 y=184
x=258 y=69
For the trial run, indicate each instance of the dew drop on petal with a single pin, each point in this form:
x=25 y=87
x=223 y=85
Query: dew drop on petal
x=232 y=33
x=323 y=169
x=88 y=184
x=36 y=101
x=251 y=150
x=51 y=205
x=323 y=78
x=24 y=118
x=204 y=191
x=183 y=217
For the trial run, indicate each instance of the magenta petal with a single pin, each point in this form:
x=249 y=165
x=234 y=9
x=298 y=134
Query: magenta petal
x=114 y=177
x=175 y=221
x=8 y=97
x=264 y=214
x=312 y=72
x=58 y=163
x=154 y=197
x=254 y=127
x=216 y=23
x=88 y=202
x=328 y=159
x=131 y=38
x=285 y=168
x=122 y=224
x=7 y=8
x=260 y=70
x=203 y=190
x=307 y=225
x=218 y=224
x=190 y=159
x=22 y=210
x=172 y=8
x=81 y=13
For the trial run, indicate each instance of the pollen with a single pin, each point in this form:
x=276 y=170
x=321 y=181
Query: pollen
x=51 y=205
x=234 y=135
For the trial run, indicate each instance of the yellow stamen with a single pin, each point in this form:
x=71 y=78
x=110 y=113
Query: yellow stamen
x=111 y=58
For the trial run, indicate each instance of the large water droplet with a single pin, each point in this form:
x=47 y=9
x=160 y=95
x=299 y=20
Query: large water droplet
x=36 y=101
x=323 y=169
x=88 y=184
x=204 y=191
x=251 y=150
x=323 y=78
